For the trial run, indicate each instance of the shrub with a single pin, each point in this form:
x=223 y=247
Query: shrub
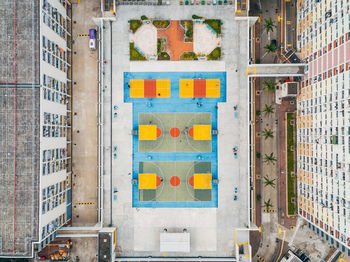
x=188 y=56
x=258 y=112
x=163 y=56
x=161 y=23
x=215 y=54
x=188 y=26
x=134 y=25
x=258 y=155
x=196 y=17
x=258 y=197
x=143 y=17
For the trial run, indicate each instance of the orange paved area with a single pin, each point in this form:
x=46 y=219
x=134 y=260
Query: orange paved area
x=175 y=35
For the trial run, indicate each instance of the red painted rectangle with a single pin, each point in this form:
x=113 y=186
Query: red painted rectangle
x=335 y=57
x=330 y=59
x=199 y=88
x=324 y=63
x=341 y=54
x=347 y=51
x=150 y=89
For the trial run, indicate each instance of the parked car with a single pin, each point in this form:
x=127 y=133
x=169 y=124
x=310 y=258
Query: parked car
x=92 y=39
x=236 y=190
x=235 y=197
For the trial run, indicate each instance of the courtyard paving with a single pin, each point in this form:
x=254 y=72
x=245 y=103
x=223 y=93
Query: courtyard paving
x=145 y=39
x=205 y=40
x=175 y=44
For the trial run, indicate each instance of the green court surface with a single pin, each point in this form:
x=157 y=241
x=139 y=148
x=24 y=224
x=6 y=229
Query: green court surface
x=175 y=181
x=174 y=132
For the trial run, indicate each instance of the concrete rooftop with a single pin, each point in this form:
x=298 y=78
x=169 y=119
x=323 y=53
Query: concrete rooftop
x=212 y=229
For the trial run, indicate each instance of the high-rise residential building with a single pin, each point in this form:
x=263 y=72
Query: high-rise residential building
x=323 y=149
x=35 y=123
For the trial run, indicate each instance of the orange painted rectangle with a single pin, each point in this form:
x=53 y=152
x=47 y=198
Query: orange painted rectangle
x=150 y=88
x=199 y=88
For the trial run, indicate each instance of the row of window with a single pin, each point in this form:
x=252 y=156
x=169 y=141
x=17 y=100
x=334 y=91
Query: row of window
x=54 y=166
x=55 y=85
x=54 y=55
x=55 y=189
x=52 y=131
x=55 y=119
x=53 y=225
x=54 y=154
x=54 y=19
x=54 y=96
x=328 y=228
x=53 y=202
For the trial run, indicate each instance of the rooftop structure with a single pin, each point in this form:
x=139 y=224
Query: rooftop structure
x=33 y=111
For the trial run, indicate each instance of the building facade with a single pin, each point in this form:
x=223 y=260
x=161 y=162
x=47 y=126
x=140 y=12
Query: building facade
x=35 y=108
x=323 y=109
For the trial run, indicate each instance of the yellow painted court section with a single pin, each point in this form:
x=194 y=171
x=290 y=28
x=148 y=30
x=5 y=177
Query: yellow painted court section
x=163 y=88
x=202 y=132
x=186 y=88
x=213 y=88
x=202 y=181
x=136 y=88
x=147 y=181
x=147 y=132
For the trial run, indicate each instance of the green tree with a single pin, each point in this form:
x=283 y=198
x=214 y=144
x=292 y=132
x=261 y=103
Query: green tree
x=269 y=25
x=270 y=48
x=258 y=197
x=270 y=159
x=268 y=110
x=269 y=182
x=269 y=86
x=267 y=133
x=267 y=204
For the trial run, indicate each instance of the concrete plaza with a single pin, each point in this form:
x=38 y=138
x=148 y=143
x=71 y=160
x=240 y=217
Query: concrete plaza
x=212 y=230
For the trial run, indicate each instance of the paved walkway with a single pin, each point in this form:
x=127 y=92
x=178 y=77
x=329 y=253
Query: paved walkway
x=84 y=188
x=175 y=45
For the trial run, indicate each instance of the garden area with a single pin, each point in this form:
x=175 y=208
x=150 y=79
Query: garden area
x=134 y=25
x=189 y=56
x=215 y=54
x=135 y=54
x=161 y=24
x=188 y=26
x=161 y=52
x=215 y=24
x=291 y=179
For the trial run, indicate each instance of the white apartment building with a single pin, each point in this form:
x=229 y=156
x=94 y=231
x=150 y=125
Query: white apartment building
x=323 y=110
x=35 y=126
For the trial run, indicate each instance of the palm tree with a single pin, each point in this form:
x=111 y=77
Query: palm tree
x=267 y=204
x=268 y=110
x=269 y=182
x=269 y=25
x=267 y=133
x=269 y=86
x=270 y=159
x=270 y=48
